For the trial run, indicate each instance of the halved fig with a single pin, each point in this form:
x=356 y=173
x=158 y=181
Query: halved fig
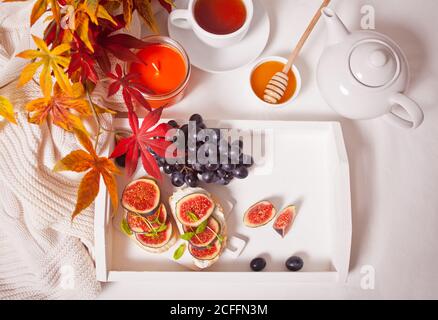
x=194 y=209
x=285 y=220
x=207 y=253
x=156 y=241
x=141 y=196
x=140 y=224
x=206 y=237
x=259 y=214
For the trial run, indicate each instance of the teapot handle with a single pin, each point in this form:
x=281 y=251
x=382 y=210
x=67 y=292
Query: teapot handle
x=412 y=108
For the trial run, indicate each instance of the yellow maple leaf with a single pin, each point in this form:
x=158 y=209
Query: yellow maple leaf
x=52 y=61
x=7 y=110
x=59 y=108
x=95 y=167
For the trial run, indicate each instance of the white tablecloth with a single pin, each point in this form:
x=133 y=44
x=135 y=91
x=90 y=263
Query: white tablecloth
x=394 y=172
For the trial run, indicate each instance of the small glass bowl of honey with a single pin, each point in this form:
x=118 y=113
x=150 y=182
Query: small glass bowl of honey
x=263 y=72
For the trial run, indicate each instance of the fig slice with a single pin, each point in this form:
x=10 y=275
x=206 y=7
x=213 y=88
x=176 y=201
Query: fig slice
x=156 y=241
x=194 y=209
x=259 y=214
x=205 y=238
x=208 y=253
x=141 y=196
x=140 y=224
x=284 y=220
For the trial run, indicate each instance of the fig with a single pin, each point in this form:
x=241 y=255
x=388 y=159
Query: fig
x=140 y=224
x=259 y=214
x=205 y=238
x=157 y=240
x=207 y=253
x=141 y=196
x=285 y=220
x=194 y=209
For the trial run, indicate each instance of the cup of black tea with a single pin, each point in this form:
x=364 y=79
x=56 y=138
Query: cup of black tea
x=218 y=23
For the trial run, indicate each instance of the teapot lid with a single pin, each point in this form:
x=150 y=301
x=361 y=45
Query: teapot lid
x=374 y=63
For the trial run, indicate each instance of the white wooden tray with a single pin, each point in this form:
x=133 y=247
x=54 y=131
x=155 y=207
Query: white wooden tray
x=305 y=163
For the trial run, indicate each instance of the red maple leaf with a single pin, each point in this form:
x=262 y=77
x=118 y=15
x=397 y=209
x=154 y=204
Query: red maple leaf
x=143 y=140
x=131 y=89
x=82 y=61
x=53 y=34
x=119 y=45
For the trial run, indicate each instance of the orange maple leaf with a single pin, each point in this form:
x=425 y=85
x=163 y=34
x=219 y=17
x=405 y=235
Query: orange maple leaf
x=59 y=108
x=88 y=160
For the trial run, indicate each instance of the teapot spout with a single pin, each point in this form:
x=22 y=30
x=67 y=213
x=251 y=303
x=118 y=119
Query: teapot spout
x=337 y=31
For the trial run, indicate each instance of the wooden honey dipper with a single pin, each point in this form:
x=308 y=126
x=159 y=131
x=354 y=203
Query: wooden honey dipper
x=277 y=85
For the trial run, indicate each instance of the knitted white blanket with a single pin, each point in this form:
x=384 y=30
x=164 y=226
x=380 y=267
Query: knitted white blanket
x=43 y=255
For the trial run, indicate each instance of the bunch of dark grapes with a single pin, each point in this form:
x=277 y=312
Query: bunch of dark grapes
x=219 y=171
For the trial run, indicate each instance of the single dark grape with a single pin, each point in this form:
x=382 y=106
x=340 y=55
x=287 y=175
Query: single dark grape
x=294 y=264
x=229 y=176
x=223 y=182
x=161 y=162
x=258 y=264
x=192 y=180
x=121 y=161
x=228 y=167
x=212 y=166
x=173 y=124
x=177 y=179
x=208 y=177
x=197 y=118
x=168 y=169
x=241 y=172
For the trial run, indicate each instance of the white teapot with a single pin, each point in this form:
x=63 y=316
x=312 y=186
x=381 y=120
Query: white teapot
x=363 y=74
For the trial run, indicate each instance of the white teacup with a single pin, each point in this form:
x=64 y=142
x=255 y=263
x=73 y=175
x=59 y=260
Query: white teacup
x=185 y=19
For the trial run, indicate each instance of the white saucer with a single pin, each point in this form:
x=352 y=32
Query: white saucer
x=221 y=60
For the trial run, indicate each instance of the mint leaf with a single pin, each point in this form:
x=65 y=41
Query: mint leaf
x=192 y=216
x=125 y=228
x=157 y=219
x=162 y=228
x=201 y=228
x=188 y=236
x=150 y=235
x=179 y=252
